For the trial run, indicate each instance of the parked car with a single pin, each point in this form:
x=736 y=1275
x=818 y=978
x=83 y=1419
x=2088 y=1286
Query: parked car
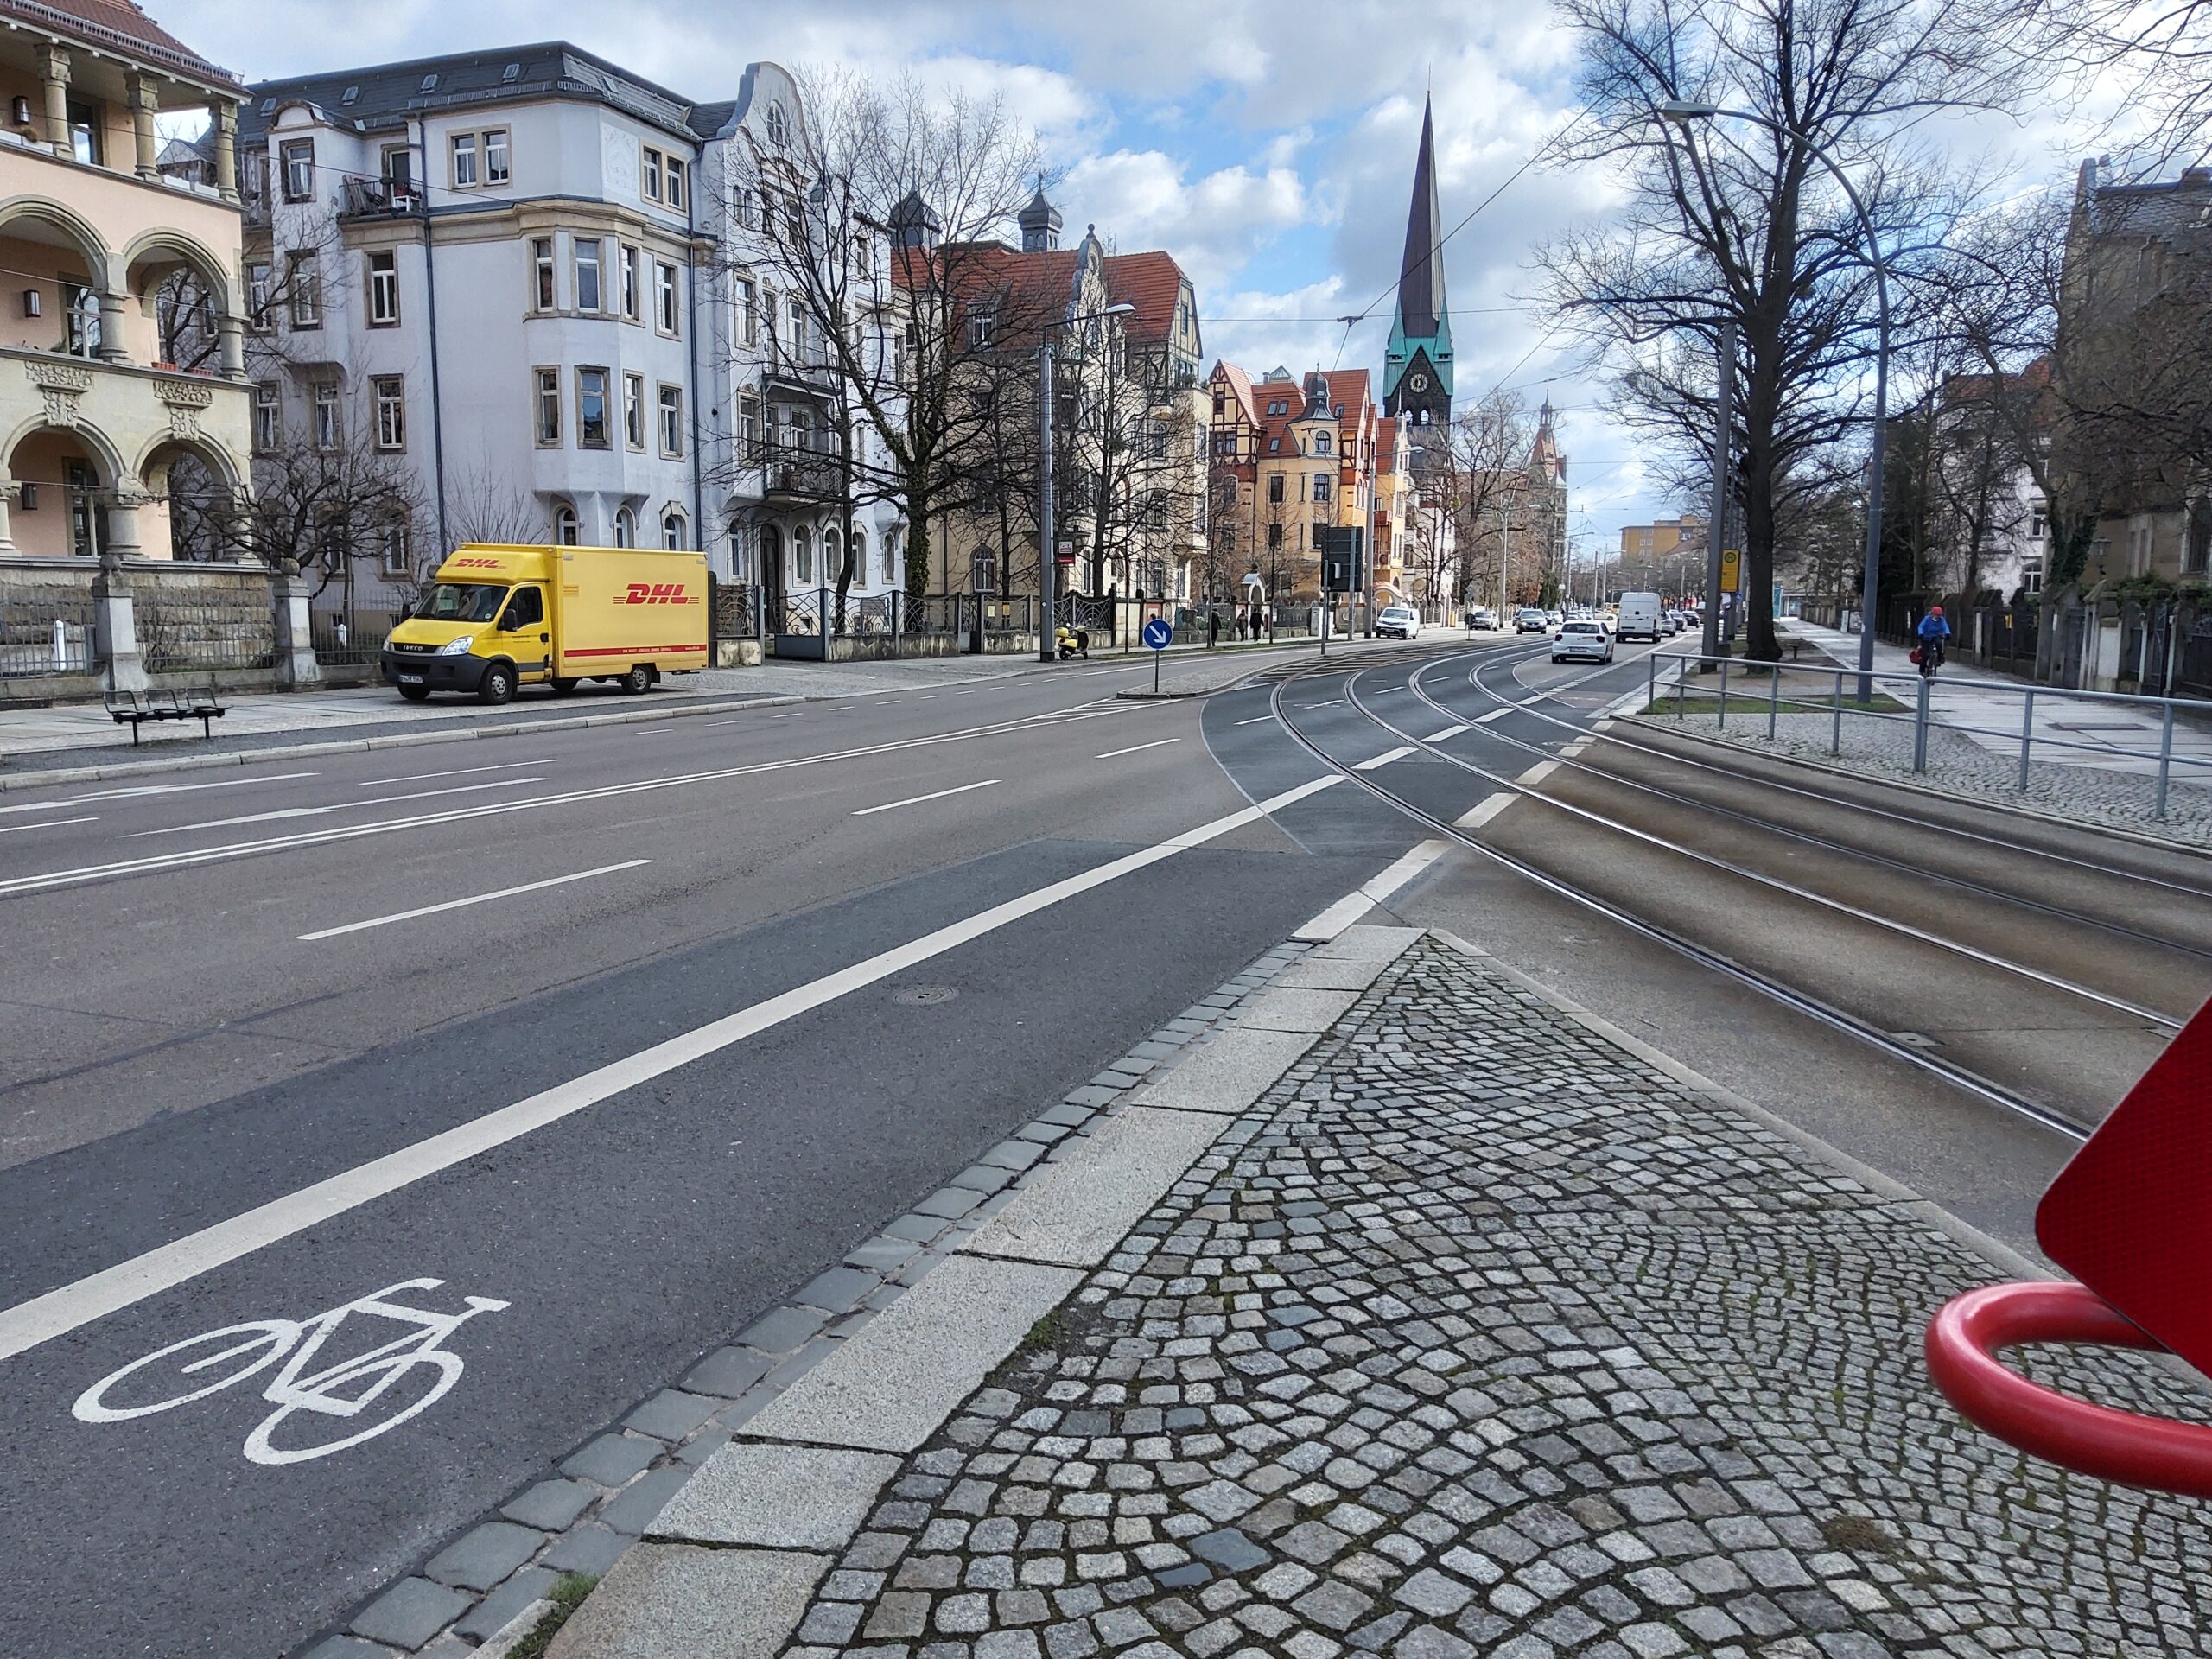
x=1528 y=619
x=1397 y=622
x=1482 y=617
x=1553 y=618
x=1582 y=641
x=1672 y=622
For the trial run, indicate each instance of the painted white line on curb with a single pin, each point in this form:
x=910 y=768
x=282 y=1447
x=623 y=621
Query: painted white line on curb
x=48 y=823
x=1487 y=809
x=463 y=903
x=1385 y=758
x=916 y=800
x=1137 y=748
x=1377 y=890
x=1449 y=731
x=65 y=1309
x=463 y=772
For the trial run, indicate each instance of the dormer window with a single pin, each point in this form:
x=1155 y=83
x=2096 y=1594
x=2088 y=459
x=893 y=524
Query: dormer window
x=429 y=84
x=349 y=95
x=1320 y=443
x=512 y=72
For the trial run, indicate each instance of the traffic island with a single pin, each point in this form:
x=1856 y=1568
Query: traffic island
x=1412 y=1310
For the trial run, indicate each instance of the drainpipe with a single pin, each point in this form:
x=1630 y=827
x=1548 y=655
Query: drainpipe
x=691 y=284
x=422 y=182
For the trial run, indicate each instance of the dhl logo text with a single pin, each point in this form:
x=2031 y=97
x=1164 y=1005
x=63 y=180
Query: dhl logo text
x=475 y=564
x=653 y=593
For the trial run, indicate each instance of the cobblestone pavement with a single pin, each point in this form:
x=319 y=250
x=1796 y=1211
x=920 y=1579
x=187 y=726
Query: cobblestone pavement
x=1479 y=1336
x=1958 y=766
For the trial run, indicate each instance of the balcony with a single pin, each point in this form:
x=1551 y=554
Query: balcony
x=791 y=477
x=809 y=373
x=377 y=199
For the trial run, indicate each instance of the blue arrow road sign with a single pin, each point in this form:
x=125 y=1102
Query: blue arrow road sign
x=1157 y=634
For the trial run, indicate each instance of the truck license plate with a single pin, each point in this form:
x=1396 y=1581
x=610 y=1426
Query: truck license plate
x=410 y=679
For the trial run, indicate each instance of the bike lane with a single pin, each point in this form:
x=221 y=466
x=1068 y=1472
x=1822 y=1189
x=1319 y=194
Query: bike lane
x=626 y=1240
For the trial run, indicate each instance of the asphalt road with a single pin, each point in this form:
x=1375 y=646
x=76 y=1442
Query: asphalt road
x=178 y=1055
x=663 y=963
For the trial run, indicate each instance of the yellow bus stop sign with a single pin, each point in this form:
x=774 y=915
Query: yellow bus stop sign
x=1731 y=571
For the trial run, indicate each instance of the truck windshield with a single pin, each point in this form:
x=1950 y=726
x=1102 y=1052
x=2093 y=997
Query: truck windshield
x=460 y=602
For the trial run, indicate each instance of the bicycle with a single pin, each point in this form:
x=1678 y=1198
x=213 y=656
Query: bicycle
x=262 y=1343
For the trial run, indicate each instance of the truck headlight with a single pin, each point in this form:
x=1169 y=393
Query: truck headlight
x=457 y=647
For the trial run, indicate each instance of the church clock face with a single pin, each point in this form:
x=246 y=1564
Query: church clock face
x=1418 y=382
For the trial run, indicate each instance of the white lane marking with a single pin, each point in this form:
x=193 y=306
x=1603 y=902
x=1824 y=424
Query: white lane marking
x=1488 y=808
x=458 y=771
x=1255 y=719
x=1537 y=773
x=1539 y=697
x=456 y=815
x=916 y=800
x=1138 y=748
x=1331 y=703
x=1449 y=731
x=887 y=702
x=1495 y=713
x=794 y=712
x=1377 y=890
x=334 y=1391
x=463 y=903
x=1385 y=758
x=97 y=1294
x=339 y=806
x=47 y=823
x=140 y=791
x=932 y=697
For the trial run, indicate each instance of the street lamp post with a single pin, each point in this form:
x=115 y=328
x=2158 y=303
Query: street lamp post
x=1682 y=112
x=1048 y=645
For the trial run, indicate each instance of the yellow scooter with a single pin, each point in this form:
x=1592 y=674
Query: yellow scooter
x=1071 y=642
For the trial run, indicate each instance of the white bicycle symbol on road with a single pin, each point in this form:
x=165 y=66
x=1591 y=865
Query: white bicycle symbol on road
x=238 y=1351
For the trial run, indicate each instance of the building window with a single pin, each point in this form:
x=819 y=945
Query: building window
x=304 y=278
x=1274 y=486
x=1274 y=538
x=565 y=531
x=391 y=547
x=860 y=555
x=542 y=295
x=626 y=527
x=326 y=415
x=298 y=169
x=983 y=572
x=672 y=181
x=779 y=127
x=650 y=174
x=268 y=419
x=672 y=529
x=742 y=208
x=496 y=169
x=803 y=553
x=587 y=250
x=384 y=289
x=398 y=162
x=80 y=313
x=464 y=161
x=630 y=257
x=665 y=312
x=748 y=311
x=671 y=421
x=549 y=408
x=256 y=295
x=253 y=174
x=633 y=410
x=749 y=425
x=980 y=330
x=1321 y=491
x=2039 y=520
x=591 y=409
x=890 y=560
x=390 y=393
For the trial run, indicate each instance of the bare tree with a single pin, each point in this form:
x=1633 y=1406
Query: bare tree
x=2156 y=56
x=1481 y=480
x=1741 y=221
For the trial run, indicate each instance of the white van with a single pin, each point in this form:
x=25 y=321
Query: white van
x=1638 y=617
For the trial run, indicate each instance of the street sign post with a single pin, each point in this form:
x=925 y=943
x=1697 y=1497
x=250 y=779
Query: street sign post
x=2130 y=1216
x=1731 y=571
x=1158 y=633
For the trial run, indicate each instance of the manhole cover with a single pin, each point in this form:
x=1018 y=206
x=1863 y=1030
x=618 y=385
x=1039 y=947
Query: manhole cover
x=924 y=996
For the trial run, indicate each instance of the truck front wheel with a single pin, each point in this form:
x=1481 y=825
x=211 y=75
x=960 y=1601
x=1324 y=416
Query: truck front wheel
x=415 y=693
x=639 y=680
x=498 y=685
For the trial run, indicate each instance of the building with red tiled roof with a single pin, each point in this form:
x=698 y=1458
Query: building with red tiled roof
x=1289 y=460
x=119 y=27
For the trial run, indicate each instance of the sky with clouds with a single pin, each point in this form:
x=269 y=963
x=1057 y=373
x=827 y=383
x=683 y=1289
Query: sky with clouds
x=1268 y=144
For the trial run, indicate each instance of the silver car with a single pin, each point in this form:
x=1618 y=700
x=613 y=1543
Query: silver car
x=1582 y=642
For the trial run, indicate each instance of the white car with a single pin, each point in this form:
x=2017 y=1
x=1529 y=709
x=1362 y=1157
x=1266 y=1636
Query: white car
x=1580 y=641
x=1397 y=622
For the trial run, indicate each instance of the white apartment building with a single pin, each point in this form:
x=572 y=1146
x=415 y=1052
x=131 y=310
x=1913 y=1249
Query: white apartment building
x=506 y=272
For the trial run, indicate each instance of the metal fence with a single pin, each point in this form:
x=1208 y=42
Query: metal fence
x=184 y=637
x=2125 y=732
x=347 y=642
x=49 y=633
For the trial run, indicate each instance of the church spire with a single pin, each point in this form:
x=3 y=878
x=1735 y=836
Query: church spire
x=1417 y=370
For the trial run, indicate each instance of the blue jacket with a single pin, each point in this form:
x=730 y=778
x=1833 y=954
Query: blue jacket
x=1933 y=627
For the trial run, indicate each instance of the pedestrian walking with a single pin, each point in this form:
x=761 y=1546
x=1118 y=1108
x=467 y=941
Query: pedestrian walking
x=1213 y=628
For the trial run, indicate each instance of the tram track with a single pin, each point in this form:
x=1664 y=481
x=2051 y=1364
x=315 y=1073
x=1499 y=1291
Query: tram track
x=1795 y=996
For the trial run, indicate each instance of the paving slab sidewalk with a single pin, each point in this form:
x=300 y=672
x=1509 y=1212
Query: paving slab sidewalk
x=1475 y=1330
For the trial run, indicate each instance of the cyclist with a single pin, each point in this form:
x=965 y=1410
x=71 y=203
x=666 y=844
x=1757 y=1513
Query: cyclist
x=1932 y=633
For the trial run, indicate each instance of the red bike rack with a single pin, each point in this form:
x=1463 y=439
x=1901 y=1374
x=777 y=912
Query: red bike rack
x=2092 y=1440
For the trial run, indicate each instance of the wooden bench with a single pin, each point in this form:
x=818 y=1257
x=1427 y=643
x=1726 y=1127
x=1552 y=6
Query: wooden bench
x=135 y=709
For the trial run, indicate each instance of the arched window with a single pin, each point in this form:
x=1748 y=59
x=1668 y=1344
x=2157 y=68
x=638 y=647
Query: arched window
x=891 y=559
x=1320 y=443
x=671 y=530
x=860 y=555
x=626 y=527
x=564 y=524
x=803 y=553
x=772 y=555
x=833 y=546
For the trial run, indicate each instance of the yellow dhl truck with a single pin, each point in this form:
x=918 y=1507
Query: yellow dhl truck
x=496 y=619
